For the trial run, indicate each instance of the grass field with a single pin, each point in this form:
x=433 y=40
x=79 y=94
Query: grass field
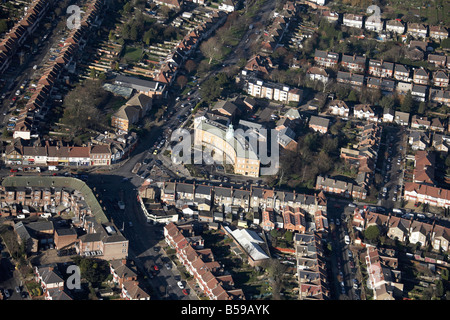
x=132 y=54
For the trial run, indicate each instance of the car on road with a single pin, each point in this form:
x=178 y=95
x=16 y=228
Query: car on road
x=185 y=292
x=180 y=285
x=6 y=293
x=130 y=223
x=155 y=267
x=156 y=249
x=24 y=295
x=347 y=239
x=17 y=289
x=168 y=266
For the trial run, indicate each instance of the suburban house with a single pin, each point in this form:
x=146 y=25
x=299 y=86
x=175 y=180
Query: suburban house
x=339 y=108
x=437 y=125
x=388 y=115
x=326 y=59
x=48 y=278
x=319 y=74
x=350 y=78
x=418 y=122
x=401 y=72
x=441 y=142
x=132 y=290
x=395 y=26
x=420 y=232
x=418 y=140
x=354 y=63
x=440 y=96
x=437 y=60
x=420 y=76
x=438 y=33
x=380 y=68
x=259 y=64
x=227 y=5
x=376 y=25
x=364 y=111
x=440 y=79
x=427 y=194
x=352 y=20
x=398 y=228
x=419 y=92
x=440 y=238
x=319 y=124
x=170 y=3
x=417 y=30
x=121 y=271
x=401 y=118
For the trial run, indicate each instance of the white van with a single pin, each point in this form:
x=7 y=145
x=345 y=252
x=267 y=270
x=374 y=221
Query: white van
x=347 y=239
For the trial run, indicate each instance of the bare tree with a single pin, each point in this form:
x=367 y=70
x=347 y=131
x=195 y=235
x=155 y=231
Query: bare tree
x=212 y=49
x=190 y=65
x=182 y=81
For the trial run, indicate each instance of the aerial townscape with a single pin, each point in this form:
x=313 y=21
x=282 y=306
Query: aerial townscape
x=245 y=150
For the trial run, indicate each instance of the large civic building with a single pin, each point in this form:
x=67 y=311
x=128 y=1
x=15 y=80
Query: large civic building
x=233 y=145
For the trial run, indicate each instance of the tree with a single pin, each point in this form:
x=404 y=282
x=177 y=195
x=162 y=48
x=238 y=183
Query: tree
x=93 y=270
x=407 y=103
x=182 y=81
x=422 y=108
x=3 y=25
x=387 y=102
x=275 y=271
x=372 y=233
x=133 y=32
x=127 y=7
x=150 y=36
x=212 y=49
x=190 y=65
x=289 y=236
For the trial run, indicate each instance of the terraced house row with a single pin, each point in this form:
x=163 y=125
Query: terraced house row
x=200 y=263
x=387 y=76
x=403 y=229
x=16 y=37
x=312 y=275
x=39 y=200
x=180 y=194
x=57 y=155
x=75 y=42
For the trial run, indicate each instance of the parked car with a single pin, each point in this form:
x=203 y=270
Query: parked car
x=180 y=285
